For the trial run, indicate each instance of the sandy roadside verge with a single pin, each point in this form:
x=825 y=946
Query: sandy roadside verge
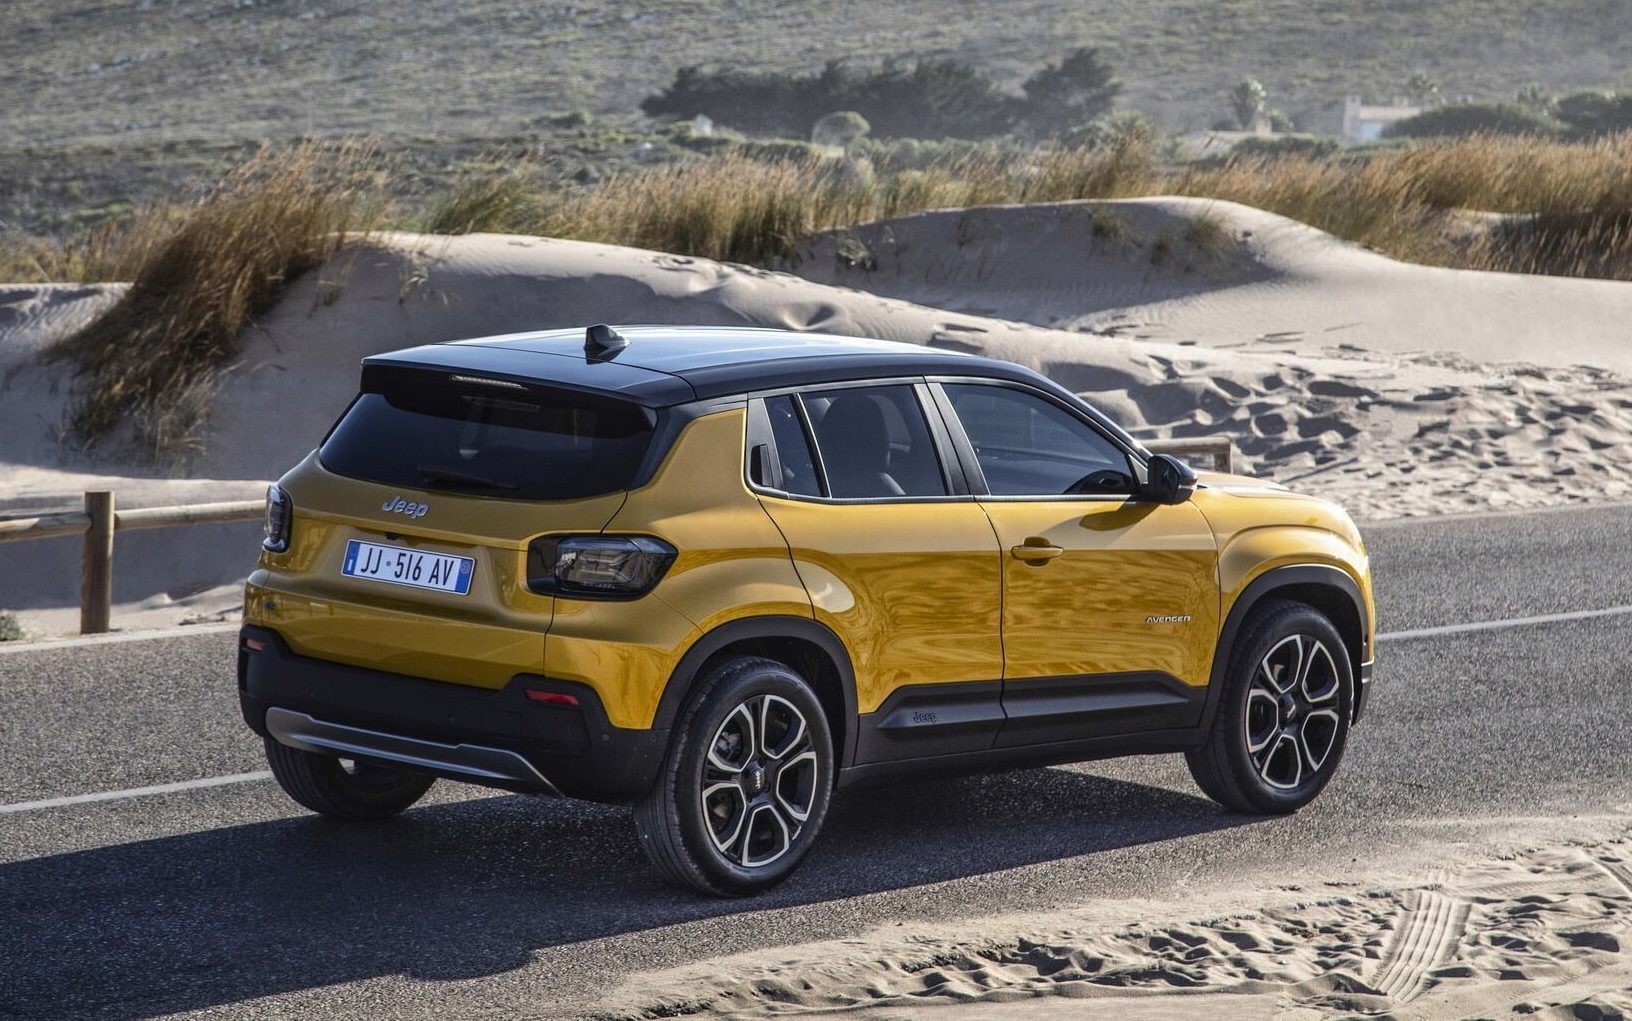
x=1537 y=930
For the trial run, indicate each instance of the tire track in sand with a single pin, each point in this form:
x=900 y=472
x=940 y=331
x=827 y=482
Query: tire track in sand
x=1430 y=928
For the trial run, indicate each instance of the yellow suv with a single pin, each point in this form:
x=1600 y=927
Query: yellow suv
x=720 y=573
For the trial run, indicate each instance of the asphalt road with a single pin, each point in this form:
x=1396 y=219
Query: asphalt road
x=229 y=902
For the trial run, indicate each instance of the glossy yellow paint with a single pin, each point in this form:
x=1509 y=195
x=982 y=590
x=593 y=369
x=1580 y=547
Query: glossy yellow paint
x=1260 y=526
x=919 y=592
x=912 y=589
x=1089 y=609
x=733 y=564
x=484 y=638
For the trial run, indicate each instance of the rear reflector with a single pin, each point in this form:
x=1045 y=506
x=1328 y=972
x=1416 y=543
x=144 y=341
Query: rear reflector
x=552 y=697
x=254 y=645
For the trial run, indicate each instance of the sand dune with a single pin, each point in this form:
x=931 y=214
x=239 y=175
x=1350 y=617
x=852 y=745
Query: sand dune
x=1434 y=425
x=1541 y=932
x=1142 y=268
x=1348 y=423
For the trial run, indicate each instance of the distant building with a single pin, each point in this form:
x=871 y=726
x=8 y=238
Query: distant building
x=1363 y=123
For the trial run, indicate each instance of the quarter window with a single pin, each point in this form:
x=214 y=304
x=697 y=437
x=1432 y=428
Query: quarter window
x=792 y=448
x=1028 y=446
x=874 y=442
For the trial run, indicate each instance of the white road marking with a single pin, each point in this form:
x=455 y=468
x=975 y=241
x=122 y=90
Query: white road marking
x=117 y=638
x=136 y=792
x=1498 y=625
x=236 y=778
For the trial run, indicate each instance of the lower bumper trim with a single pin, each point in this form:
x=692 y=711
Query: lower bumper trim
x=1362 y=695
x=478 y=763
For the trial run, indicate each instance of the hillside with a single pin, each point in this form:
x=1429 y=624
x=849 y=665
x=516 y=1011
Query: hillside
x=79 y=71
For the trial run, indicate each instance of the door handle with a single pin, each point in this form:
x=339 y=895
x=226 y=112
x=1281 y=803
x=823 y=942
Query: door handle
x=1036 y=550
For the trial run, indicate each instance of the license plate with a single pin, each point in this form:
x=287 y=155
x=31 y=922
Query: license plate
x=401 y=566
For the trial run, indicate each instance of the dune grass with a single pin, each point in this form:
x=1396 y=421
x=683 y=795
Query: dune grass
x=742 y=209
x=1567 y=207
x=198 y=273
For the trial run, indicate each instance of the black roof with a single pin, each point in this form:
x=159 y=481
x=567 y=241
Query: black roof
x=667 y=365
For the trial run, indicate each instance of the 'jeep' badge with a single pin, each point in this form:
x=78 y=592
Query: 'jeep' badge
x=398 y=505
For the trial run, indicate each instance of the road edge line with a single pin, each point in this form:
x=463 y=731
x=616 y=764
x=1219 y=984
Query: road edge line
x=134 y=792
x=1499 y=625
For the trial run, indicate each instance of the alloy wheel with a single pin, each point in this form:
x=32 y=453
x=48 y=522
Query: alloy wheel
x=1293 y=712
x=759 y=781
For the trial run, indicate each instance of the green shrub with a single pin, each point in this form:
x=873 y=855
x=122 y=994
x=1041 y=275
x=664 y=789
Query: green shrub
x=10 y=628
x=1064 y=96
x=929 y=98
x=778 y=150
x=934 y=98
x=685 y=135
x=1462 y=120
x=1305 y=146
x=1124 y=127
x=1247 y=100
x=840 y=129
x=897 y=154
x=1594 y=114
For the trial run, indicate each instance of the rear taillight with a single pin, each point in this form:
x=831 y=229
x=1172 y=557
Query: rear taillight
x=597 y=566
x=279 y=515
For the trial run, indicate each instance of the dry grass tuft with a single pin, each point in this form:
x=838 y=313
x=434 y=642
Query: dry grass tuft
x=738 y=208
x=1208 y=234
x=202 y=270
x=198 y=273
x=1570 y=205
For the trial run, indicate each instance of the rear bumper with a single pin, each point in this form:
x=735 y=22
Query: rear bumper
x=497 y=738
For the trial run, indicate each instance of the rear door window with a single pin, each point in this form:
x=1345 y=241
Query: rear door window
x=875 y=442
x=427 y=430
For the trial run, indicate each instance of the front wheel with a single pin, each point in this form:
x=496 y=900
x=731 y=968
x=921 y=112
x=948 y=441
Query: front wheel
x=1283 y=719
x=746 y=783
x=344 y=789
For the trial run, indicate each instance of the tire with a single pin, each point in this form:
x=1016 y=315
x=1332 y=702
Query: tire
x=751 y=753
x=1283 y=719
x=324 y=784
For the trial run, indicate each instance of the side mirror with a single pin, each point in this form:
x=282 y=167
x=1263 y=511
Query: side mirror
x=1170 y=480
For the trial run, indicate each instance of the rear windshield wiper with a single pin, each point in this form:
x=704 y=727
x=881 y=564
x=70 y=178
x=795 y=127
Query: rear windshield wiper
x=437 y=473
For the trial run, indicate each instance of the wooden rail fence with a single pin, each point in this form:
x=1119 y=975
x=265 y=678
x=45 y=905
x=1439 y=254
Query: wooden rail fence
x=1221 y=449
x=100 y=521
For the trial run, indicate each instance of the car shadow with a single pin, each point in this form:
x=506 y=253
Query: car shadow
x=474 y=888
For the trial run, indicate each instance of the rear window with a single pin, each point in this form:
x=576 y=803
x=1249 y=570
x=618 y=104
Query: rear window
x=430 y=431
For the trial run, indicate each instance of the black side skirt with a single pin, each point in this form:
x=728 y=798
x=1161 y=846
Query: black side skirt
x=980 y=726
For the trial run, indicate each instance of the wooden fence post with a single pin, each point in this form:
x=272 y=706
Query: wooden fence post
x=96 y=569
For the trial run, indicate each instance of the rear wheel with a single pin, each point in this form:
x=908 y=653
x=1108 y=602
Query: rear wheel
x=344 y=788
x=746 y=783
x=1283 y=719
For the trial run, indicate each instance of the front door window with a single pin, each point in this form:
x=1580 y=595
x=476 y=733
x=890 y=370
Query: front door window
x=1028 y=446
